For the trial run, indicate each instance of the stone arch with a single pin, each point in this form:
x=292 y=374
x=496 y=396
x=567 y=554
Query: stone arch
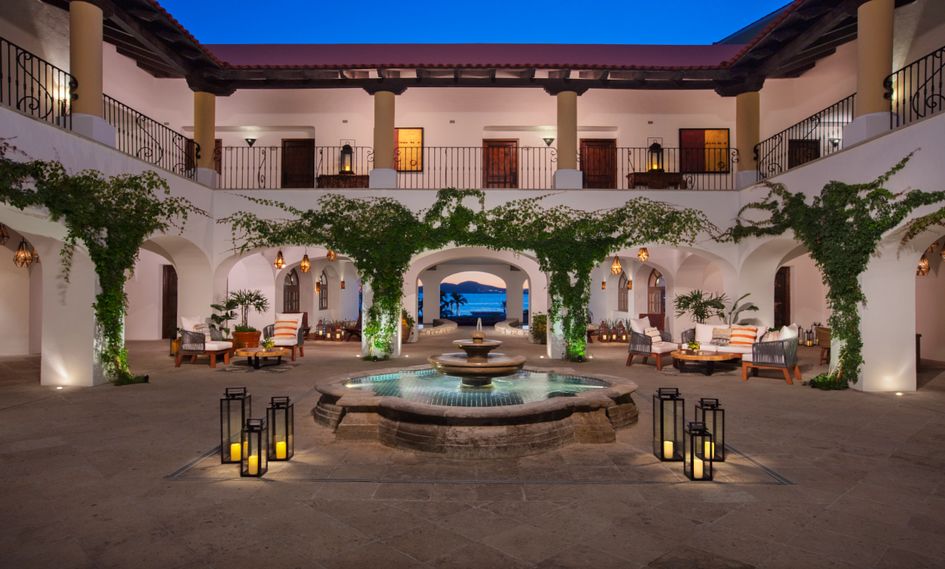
x=192 y=265
x=757 y=272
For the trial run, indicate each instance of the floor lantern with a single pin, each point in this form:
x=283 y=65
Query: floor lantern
x=281 y=419
x=255 y=461
x=698 y=466
x=235 y=408
x=346 y=163
x=669 y=416
x=709 y=412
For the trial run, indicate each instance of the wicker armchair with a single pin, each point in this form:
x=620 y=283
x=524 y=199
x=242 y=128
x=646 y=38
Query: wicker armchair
x=644 y=346
x=779 y=354
x=292 y=344
x=195 y=344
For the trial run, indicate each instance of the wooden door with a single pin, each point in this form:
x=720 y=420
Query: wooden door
x=298 y=163
x=168 y=302
x=599 y=162
x=802 y=151
x=691 y=150
x=782 y=297
x=499 y=163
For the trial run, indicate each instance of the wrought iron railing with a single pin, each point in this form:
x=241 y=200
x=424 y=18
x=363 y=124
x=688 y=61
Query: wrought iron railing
x=266 y=167
x=917 y=90
x=691 y=168
x=511 y=166
x=818 y=135
x=35 y=87
x=138 y=135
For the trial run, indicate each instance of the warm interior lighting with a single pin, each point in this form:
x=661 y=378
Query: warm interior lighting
x=24 y=256
x=643 y=254
x=331 y=256
x=923 y=268
x=280 y=260
x=616 y=268
x=306 y=265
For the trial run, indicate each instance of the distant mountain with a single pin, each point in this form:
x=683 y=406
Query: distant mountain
x=469 y=287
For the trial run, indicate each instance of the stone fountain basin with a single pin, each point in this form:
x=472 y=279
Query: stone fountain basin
x=491 y=365
x=591 y=416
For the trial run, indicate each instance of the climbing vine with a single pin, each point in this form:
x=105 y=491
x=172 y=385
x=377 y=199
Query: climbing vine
x=110 y=217
x=841 y=227
x=382 y=236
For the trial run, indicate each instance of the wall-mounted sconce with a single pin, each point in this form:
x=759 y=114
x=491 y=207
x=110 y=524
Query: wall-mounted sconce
x=250 y=141
x=548 y=140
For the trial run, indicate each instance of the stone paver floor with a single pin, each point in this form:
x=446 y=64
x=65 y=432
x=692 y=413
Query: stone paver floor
x=119 y=477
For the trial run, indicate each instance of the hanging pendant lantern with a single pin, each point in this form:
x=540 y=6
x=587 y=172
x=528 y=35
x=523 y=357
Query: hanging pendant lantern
x=306 y=265
x=331 y=256
x=616 y=268
x=280 y=260
x=923 y=268
x=643 y=254
x=4 y=235
x=24 y=255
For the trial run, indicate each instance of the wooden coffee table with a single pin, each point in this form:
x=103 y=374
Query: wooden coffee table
x=256 y=356
x=688 y=360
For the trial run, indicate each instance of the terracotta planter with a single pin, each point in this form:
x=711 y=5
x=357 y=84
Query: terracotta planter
x=246 y=339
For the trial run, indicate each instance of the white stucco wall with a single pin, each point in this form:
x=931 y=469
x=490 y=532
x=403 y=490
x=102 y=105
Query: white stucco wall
x=144 y=290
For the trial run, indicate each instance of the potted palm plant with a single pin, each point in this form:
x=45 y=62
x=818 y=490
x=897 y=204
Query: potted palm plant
x=245 y=336
x=700 y=305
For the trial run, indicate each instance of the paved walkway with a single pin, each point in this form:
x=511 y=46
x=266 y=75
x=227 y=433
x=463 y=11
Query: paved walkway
x=113 y=477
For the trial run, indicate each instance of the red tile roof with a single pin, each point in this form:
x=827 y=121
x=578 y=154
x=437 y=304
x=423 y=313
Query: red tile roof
x=542 y=56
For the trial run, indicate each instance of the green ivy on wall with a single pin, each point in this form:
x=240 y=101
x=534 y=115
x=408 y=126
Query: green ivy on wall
x=382 y=236
x=111 y=217
x=841 y=228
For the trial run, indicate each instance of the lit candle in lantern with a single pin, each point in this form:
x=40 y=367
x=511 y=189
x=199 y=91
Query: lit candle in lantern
x=667 y=449
x=280 y=450
x=235 y=454
x=697 y=468
x=252 y=464
x=709 y=451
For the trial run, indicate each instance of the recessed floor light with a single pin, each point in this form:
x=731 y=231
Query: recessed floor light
x=58 y=388
x=898 y=394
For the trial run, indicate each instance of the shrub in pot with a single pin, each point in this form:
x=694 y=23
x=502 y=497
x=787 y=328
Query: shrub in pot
x=245 y=336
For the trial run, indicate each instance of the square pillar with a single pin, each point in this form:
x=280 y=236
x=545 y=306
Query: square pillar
x=747 y=137
x=567 y=175
x=384 y=174
x=873 y=65
x=205 y=105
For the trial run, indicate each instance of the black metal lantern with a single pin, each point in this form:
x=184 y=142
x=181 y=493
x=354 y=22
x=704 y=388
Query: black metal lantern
x=281 y=419
x=709 y=412
x=698 y=466
x=669 y=416
x=655 y=157
x=346 y=162
x=235 y=407
x=255 y=461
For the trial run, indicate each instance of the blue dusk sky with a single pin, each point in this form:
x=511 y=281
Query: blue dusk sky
x=427 y=21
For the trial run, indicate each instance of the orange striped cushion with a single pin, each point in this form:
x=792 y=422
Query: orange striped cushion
x=285 y=329
x=743 y=335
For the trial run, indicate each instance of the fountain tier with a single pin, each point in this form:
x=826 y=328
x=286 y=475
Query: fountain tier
x=476 y=367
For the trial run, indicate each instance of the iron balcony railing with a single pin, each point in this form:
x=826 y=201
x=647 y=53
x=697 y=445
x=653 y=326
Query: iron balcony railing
x=138 y=135
x=655 y=167
x=917 y=90
x=272 y=167
x=818 y=135
x=504 y=166
x=35 y=87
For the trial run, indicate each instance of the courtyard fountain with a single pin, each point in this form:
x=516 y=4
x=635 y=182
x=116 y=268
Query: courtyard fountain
x=477 y=404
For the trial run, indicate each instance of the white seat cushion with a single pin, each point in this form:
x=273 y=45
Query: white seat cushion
x=747 y=357
x=734 y=349
x=712 y=348
x=663 y=347
x=704 y=332
x=638 y=325
x=213 y=346
x=285 y=341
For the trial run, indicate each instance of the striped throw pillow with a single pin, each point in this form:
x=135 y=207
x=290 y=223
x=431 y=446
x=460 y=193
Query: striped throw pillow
x=653 y=333
x=285 y=329
x=743 y=335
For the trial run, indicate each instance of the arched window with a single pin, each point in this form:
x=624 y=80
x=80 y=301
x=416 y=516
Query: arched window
x=622 y=293
x=656 y=293
x=323 y=291
x=290 y=292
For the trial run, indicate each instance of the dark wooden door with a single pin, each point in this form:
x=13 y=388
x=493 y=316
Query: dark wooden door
x=298 y=163
x=218 y=155
x=802 y=151
x=782 y=297
x=692 y=150
x=499 y=163
x=168 y=302
x=599 y=162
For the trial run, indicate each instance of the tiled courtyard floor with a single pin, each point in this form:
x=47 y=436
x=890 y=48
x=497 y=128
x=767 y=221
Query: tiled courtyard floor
x=113 y=477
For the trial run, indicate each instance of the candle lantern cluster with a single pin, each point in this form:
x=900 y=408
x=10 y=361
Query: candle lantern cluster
x=612 y=332
x=697 y=444
x=330 y=330
x=253 y=442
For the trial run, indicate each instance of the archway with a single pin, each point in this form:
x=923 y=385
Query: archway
x=481 y=293
x=930 y=313
x=20 y=296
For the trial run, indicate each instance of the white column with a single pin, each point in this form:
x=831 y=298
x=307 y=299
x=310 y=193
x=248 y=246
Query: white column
x=367 y=299
x=514 y=300
x=384 y=173
x=85 y=64
x=431 y=297
x=874 y=63
x=68 y=320
x=567 y=176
